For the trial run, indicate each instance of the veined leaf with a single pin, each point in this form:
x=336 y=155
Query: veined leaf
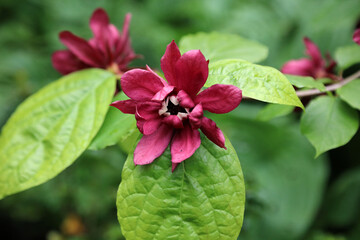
x=347 y=55
x=305 y=82
x=50 y=129
x=350 y=93
x=203 y=199
x=117 y=127
x=262 y=83
x=329 y=123
x=218 y=46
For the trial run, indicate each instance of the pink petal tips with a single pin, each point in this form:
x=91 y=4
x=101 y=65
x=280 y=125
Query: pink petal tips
x=356 y=36
x=109 y=49
x=315 y=66
x=171 y=113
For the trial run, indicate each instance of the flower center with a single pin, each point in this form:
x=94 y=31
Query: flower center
x=171 y=106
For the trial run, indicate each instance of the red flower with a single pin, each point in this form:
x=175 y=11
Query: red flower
x=172 y=112
x=108 y=49
x=314 y=67
x=356 y=36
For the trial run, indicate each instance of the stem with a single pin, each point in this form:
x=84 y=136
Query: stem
x=329 y=88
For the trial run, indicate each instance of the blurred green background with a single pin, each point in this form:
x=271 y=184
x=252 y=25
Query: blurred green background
x=290 y=195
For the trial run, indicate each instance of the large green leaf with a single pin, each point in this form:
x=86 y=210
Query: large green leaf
x=117 y=127
x=305 y=82
x=52 y=128
x=329 y=123
x=350 y=93
x=262 y=83
x=203 y=199
x=347 y=55
x=218 y=46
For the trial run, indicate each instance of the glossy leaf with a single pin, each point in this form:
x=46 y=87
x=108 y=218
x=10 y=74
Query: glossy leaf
x=218 y=46
x=347 y=55
x=258 y=82
x=305 y=82
x=50 y=129
x=271 y=111
x=350 y=93
x=329 y=123
x=203 y=199
x=117 y=127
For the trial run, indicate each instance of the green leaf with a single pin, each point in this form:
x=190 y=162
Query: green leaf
x=203 y=199
x=305 y=82
x=218 y=46
x=347 y=55
x=50 y=129
x=117 y=127
x=271 y=111
x=350 y=93
x=329 y=123
x=262 y=83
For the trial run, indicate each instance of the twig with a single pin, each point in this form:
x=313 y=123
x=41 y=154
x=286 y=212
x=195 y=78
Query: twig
x=329 y=88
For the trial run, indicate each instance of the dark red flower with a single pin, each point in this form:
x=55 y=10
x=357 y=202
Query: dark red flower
x=315 y=66
x=172 y=112
x=356 y=36
x=108 y=49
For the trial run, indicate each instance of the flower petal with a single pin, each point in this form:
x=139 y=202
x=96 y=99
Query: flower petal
x=301 y=67
x=168 y=62
x=148 y=110
x=65 y=62
x=126 y=106
x=173 y=121
x=191 y=72
x=185 y=100
x=173 y=166
x=152 y=146
x=98 y=21
x=163 y=93
x=313 y=51
x=140 y=85
x=195 y=116
x=184 y=144
x=81 y=49
x=356 y=36
x=150 y=126
x=212 y=132
x=219 y=98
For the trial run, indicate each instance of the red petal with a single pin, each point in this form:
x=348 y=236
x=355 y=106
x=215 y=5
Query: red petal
x=152 y=146
x=173 y=166
x=196 y=116
x=126 y=106
x=191 y=72
x=168 y=62
x=184 y=144
x=356 y=36
x=313 y=51
x=81 y=49
x=301 y=67
x=212 y=132
x=173 y=121
x=148 y=110
x=140 y=85
x=65 y=62
x=163 y=93
x=150 y=126
x=185 y=100
x=220 y=98
x=98 y=21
